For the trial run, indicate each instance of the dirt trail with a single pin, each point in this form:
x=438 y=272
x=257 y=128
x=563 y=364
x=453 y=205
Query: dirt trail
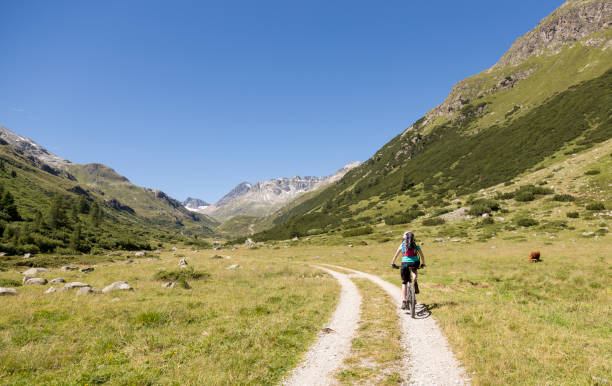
x=430 y=360
x=330 y=349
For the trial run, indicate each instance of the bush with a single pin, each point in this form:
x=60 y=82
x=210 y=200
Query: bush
x=592 y=172
x=433 y=221
x=504 y=196
x=524 y=196
x=487 y=221
x=526 y=222
x=358 y=231
x=572 y=214
x=9 y=283
x=403 y=217
x=482 y=206
x=564 y=197
x=596 y=206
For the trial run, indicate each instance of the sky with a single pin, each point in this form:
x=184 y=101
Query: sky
x=194 y=97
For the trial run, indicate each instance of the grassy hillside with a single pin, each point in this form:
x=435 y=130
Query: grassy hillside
x=41 y=212
x=453 y=160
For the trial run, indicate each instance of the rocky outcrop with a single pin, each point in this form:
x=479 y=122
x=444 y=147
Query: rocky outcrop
x=572 y=21
x=115 y=204
x=27 y=146
x=195 y=204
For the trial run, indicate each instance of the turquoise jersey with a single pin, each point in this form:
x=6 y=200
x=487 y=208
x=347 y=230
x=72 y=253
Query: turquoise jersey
x=409 y=259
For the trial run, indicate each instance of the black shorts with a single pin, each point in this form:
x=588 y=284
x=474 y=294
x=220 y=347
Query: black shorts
x=405 y=270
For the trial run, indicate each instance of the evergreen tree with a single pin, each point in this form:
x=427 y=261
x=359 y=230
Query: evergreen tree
x=8 y=207
x=83 y=205
x=74 y=212
x=75 y=238
x=57 y=217
x=95 y=215
x=38 y=221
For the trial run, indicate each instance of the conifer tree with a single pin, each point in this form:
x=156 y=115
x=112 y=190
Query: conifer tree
x=83 y=205
x=74 y=212
x=8 y=207
x=57 y=214
x=75 y=238
x=95 y=215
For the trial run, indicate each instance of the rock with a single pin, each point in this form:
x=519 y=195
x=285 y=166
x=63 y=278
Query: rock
x=233 y=249
x=50 y=290
x=117 y=286
x=75 y=284
x=115 y=299
x=129 y=262
x=28 y=255
x=67 y=268
x=2 y=254
x=8 y=291
x=170 y=284
x=35 y=271
x=228 y=257
x=295 y=238
x=86 y=270
x=233 y=266
x=500 y=219
x=363 y=243
x=140 y=254
x=587 y=234
x=85 y=291
x=455 y=240
x=58 y=280
x=486 y=215
x=350 y=245
x=439 y=240
x=183 y=261
x=157 y=251
x=34 y=280
x=174 y=249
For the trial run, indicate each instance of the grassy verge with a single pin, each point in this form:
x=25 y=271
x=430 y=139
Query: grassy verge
x=246 y=325
x=376 y=352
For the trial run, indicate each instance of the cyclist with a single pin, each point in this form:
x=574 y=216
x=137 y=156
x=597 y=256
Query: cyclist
x=412 y=259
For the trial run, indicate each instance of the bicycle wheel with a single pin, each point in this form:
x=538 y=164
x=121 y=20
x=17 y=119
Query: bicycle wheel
x=412 y=300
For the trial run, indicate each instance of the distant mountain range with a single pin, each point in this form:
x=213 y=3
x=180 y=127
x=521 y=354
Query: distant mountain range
x=264 y=197
x=195 y=204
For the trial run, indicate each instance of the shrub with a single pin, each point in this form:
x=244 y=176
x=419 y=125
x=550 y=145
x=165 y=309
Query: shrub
x=433 y=221
x=403 y=217
x=504 y=196
x=592 y=172
x=487 y=221
x=181 y=276
x=524 y=196
x=526 y=222
x=9 y=282
x=358 y=231
x=572 y=214
x=564 y=197
x=482 y=206
x=596 y=206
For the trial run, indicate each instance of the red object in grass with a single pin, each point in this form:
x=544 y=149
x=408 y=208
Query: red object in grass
x=534 y=256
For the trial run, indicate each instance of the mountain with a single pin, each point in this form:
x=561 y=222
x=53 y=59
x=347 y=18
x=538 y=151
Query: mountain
x=194 y=204
x=265 y=197
x=550 y=94
x=44 y=186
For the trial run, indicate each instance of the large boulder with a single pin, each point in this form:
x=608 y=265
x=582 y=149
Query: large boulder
x=35 y=271
x=75 y=284
x=28 y=255
x=140 y=254
x=85 y=291
x=117 y=286
x=34 y=280
x=8 y=291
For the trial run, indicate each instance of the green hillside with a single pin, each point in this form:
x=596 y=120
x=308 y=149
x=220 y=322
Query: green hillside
x=492 y=128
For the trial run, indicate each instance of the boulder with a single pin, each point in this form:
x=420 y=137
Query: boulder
x=350 y=245
x=587 y=234
x=170 y=284
x=58 y=280
x=295 y=238
x=35 y=271
x=28 y=255
x=233 y=266
x=117 y=286
x=50 y=290
x=129 y=262
x=67 y=268
x=8 y=291
x=75 y=284
x=456 y=240
x=486 y=215
x=183 y=261
x=157 y=251
x=85 y=291
x=174 y=249
x=439 y=240
x=140 y=254
x=2 y=254
x=363 y=242
x=86 y=270
x=34 y=280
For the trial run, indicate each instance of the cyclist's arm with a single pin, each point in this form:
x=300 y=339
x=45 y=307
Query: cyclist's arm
x=421 y=256
x=395 y=257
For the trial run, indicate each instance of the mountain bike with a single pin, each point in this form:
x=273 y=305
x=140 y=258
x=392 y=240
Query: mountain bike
x=410 y=293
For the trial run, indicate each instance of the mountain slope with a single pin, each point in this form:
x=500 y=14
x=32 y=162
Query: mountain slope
x=545 y=94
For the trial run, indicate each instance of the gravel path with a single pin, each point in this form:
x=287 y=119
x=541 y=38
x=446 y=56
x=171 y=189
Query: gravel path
x=330 y=349
x=430 y=360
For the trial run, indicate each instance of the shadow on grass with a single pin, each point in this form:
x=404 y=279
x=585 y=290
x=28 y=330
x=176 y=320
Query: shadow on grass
x=424 y=311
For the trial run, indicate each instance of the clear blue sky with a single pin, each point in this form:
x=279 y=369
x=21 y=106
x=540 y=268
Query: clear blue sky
x=193 y=97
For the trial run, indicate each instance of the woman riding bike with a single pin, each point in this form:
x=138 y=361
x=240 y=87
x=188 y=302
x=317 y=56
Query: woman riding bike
x=412 y=259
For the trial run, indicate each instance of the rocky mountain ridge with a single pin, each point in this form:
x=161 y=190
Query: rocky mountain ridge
x=195 y=204
x=264 y=197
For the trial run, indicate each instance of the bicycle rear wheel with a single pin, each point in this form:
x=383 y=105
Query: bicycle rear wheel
x=412 y=300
